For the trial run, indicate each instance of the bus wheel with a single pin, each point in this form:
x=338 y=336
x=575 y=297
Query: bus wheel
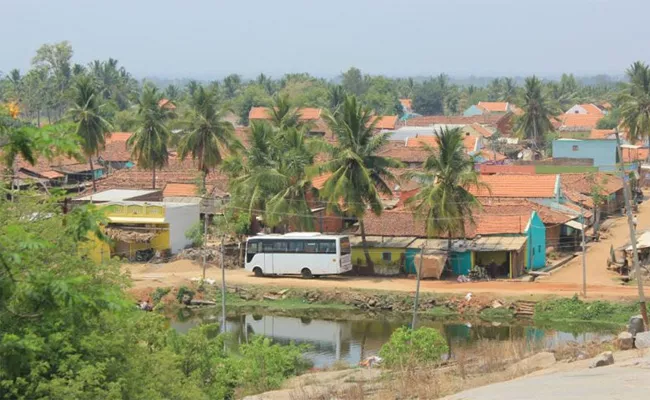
x=258 y=272
x=306 y=273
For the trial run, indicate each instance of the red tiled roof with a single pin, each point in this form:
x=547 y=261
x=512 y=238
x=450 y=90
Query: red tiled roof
x=424 y=121
x=166 y=103
x=591 y=109
x=487 y=169
x=319 y=181
x=634 y=154
x=469 y=142
x=584 y=182
x=51 y=174
x=600 y=133
x=306 y=114
x=491 y=155
x=481 y=130
x=522 y=206
x=385 y=122
x=402 y=222
x=118 y=137
x=583 y=121
x=518 y=186
x=181 y=190
x=493 y=106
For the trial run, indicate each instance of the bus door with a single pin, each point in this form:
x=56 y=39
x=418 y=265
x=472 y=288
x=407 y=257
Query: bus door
x=268 y=256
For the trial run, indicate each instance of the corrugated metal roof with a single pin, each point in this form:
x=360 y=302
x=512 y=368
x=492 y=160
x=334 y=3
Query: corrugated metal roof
x=485 y=243
x=383 y=241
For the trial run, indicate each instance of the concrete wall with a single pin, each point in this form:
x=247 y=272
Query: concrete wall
x=536 y=232
x=603 y=152
x=181 y=219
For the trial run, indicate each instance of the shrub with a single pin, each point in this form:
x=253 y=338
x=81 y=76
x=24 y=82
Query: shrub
x=184 y=290
x=158 y=294
x=409 y=347
x=575 y=309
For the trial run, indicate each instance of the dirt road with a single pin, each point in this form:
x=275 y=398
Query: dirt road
x=566 y=281
x=179 y=272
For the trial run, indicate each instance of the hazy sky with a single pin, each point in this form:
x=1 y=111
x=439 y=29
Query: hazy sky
x=212 y=38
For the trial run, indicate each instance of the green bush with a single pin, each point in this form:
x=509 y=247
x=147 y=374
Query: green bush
x=411 y=347
x=574 y=309
x=158 y=294
x=184 y=290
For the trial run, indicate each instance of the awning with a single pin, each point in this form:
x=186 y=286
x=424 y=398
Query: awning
x=642 y=242
x=130 y=235
x=574 y=224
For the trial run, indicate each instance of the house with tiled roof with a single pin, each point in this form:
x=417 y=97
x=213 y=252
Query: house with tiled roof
x=167 y=104
x=608 y=187
x=585 y=109
x=407 y=105
x=489 y=107
x=472 y=144
x=602 y=134
x=312 y=116
x=579 y=125
x=508 y=243
x=116 y=153
x=385 y=122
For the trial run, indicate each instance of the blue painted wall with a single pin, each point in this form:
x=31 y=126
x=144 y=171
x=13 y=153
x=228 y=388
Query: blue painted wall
x=536 y=232
x=472 y=110
x=461 y=263
x=603 y=152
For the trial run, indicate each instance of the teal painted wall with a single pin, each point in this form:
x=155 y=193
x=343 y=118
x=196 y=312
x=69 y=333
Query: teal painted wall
x=472 y=110
x=461 y=263
x=536 y=242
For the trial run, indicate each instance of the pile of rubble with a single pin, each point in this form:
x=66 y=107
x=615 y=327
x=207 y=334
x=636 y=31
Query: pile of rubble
x=211 y=254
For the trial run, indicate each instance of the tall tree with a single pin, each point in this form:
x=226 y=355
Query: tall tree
x=283 y=114
x=232 y=86
x=149 y=141
x=336 y=97
x=54 y=59
x=634 y=101
x=428 y=98
x=535 y=122
x=353 y=82
x=91 y=127
x=448 y=174
x=359 y=174
x=206 y=136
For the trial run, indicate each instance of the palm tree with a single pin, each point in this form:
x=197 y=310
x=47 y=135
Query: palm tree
x=149 y=141
x=91 y=126
x=535 y=121
x=336 y=97
x=359 y=175
x=283 y=114
x=635 y=101
x=448 y=174
x=207 y=136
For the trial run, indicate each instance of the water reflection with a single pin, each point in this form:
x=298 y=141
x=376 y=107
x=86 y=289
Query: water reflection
x=352 y=340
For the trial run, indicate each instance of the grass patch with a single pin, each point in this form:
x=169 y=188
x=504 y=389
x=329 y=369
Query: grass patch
x=576 y=310
x=440 y=312
x=497 y=315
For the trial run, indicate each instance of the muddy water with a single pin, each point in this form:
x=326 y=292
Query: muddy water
x=352 y=340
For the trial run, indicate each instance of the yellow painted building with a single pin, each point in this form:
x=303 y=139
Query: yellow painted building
x=135 y=226
x=388 y=254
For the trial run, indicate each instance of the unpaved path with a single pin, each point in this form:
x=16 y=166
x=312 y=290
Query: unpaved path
x=566 y=281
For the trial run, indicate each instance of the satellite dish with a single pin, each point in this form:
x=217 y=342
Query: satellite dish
x=520 y=155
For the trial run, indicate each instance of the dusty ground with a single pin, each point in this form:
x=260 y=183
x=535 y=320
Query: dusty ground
x=566 y=281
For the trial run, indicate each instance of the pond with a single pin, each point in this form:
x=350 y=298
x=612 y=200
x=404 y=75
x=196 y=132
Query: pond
x=352 y=340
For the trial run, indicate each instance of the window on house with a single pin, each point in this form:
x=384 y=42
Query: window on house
x=575 y=148
x=386 y=256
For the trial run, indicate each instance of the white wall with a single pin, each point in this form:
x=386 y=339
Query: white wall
x=180 y=219
x=577 y=109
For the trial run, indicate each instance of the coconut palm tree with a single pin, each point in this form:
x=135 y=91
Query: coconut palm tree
x=336 y=97
x=635 y=101
x=149 y=141
x=91 y=127
x=206 y=135
x=359 y=174
x=538 y=110
x=448 y=174
x=283 y=115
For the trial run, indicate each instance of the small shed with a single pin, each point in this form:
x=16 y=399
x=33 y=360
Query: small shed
x=388 y=253
x=506 y=252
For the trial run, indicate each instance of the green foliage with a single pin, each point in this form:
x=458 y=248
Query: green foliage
x=535 y=122
x=497 y=314
x=195 y=234
x=159 y=293
x=575 y=309
x=428 y=98
x=182 y=291
x=610 y=121
x=634 y=101
x=408 y=347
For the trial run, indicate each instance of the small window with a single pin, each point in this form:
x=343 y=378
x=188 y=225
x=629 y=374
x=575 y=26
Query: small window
x=575 y=148
x=311 y=247
x=327 y=247
x=280 y=246
x=387 y=256
x=296 y=246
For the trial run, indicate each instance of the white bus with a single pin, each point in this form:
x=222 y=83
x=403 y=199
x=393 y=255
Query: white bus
x=306 y=253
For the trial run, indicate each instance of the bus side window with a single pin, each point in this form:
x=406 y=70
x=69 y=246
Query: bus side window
x=296 y=246
x=311 y=247
x=268 y=245
x=327 y=247
x=252 y=247
x=280 y=246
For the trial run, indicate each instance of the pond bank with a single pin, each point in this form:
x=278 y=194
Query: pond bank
x=335 y=302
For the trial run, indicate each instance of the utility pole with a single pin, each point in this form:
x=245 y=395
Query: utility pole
x=223 y=285
x=630 y=223
x=584 y=252
x=205 y=241
x=417 y=287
